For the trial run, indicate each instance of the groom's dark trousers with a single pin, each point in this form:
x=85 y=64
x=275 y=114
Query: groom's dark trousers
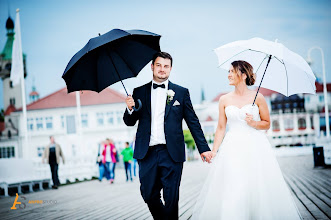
x=158 y=171
x=160 y=166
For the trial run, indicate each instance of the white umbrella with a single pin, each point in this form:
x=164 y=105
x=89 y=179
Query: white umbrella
x=279 y=68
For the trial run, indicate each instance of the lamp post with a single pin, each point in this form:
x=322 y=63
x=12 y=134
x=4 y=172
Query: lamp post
x=309 y=60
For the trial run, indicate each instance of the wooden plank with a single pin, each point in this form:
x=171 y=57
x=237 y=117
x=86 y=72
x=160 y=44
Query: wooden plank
x=322 y=206
x=320 y=187
x=302 y=196
x=94 y=200
x=325 y=197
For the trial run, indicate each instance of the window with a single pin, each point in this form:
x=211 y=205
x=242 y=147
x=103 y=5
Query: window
x=49 y=122
x=110 y=118
x=307 y=99
x=7 y=152
x=40 y=151
x=321 y=98
x=119 y=117
x=275 y=125
x=30 y=124
x=12 y=101
x=100 y=118
x=84 y=121
x=289 y=124
x=302 y=123
x=39 y=123
x=62 y=121
x=312 y=122
x=71 y=124
x=74 y=150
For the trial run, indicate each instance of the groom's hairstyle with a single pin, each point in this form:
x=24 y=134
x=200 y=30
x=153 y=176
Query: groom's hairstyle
x=164 y=55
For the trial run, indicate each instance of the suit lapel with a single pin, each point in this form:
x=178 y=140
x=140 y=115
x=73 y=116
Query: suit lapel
x=168 y=106
x=148 y=96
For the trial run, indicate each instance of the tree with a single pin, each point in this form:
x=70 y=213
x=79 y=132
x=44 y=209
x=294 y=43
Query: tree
x=190 y=144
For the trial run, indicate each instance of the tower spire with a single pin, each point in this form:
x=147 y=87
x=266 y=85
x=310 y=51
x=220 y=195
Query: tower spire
x=202 y=95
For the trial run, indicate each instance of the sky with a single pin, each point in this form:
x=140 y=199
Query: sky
x=53 y=31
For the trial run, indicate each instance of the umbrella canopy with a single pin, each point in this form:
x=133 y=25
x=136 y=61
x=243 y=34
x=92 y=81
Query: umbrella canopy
x=279 y=68
x=110 y=58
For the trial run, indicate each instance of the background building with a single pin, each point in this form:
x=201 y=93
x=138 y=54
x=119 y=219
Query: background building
x=297 y=120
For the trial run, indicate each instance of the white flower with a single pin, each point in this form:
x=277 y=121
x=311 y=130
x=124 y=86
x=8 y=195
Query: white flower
x=170 y=95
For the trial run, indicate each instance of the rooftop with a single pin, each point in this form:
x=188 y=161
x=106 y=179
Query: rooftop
x=61 y=99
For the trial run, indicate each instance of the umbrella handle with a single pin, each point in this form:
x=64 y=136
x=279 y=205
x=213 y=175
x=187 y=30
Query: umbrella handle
x=139 y=106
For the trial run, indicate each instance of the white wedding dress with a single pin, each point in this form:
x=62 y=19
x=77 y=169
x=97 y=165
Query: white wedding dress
x=245 y=181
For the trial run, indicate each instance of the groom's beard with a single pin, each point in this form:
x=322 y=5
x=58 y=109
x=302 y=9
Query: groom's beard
x=163 y=77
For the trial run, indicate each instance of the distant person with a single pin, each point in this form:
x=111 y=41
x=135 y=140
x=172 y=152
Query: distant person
x=127 y=153
x=106 y=159
x=109 y=159
x=99 y=161
x=116 y=158
x=134 y=164
x=52 y=154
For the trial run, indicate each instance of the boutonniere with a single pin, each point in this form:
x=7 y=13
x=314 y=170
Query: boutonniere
x=170 y=96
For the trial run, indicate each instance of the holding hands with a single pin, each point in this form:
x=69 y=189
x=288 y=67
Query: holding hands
x=207 y=156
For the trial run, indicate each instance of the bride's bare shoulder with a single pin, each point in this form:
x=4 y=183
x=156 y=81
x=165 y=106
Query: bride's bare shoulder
x=224 y=98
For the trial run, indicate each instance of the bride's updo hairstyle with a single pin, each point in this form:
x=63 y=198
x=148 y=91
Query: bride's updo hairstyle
x=243 y=67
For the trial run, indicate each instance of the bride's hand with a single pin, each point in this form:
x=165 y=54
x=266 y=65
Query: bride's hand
x=206 y=156
x=249 y=120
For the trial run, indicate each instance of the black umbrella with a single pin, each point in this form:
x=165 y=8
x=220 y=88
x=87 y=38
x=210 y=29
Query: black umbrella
x=110 y=58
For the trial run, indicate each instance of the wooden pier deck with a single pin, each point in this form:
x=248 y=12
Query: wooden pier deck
x=310 y=186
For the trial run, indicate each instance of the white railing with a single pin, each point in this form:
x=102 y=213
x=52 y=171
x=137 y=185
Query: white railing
x=74 y=169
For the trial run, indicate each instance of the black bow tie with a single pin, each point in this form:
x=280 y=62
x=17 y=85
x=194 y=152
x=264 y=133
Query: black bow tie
x=156 y=85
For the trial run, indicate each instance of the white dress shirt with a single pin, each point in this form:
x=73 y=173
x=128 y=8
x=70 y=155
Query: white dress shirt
x=158 y=104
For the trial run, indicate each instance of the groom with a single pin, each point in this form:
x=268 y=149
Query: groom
x=159 y=146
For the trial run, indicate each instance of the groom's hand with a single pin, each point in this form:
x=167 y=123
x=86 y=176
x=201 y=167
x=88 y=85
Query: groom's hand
x=206 y=156
x=129 y=102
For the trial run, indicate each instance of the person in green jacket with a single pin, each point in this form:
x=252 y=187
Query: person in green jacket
x=127 y=153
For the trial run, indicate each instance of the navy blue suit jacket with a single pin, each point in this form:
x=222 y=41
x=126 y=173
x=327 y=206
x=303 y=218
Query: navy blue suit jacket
x=173 y=118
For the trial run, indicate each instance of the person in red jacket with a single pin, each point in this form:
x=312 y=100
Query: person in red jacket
x=109 y=159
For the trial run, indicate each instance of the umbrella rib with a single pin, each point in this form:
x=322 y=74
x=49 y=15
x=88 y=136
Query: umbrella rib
x=122 y=59
x=286 y=73
x=286 y=78
x=109 y=55
x=281 y=61
x=309 y=80
x=232 y=57
x=240 y=53
x=261 y=64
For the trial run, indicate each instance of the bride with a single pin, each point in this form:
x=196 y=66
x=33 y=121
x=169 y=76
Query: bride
x=245 y=181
